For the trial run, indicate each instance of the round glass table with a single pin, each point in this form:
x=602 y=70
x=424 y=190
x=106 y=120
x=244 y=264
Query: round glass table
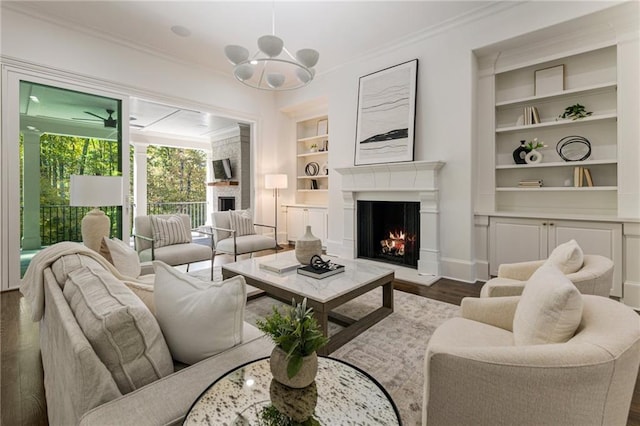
x=248 y=395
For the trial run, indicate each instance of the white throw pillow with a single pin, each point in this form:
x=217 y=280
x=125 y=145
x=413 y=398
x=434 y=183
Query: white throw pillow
x=119 y=254
x=198 y=319
x=169 y=231
x=567 y=257
x=242 y=222
x=550 y=309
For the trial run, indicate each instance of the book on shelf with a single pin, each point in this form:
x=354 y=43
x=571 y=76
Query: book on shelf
x=587 y=176
x=578 y=175
x=531 y=115
x=280 y=266
x=312 y=272
x=534 y=115
x=530 y=183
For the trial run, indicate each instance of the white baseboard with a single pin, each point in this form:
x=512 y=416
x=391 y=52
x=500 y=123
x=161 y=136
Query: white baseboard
x=457 y=269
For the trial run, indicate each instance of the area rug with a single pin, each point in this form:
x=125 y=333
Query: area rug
x=392 y=351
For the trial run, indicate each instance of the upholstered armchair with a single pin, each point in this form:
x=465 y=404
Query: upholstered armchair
x=168 y=238
x=594 y=277
x=477 y=374
x=234 y=233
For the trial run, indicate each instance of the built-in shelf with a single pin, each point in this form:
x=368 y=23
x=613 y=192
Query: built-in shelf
x=558 y=189
x=600 y=117
x=313 y=138
x=556 y=164
x=314 y=177
x=579 y=91
x=313 y=190
x=312 y=154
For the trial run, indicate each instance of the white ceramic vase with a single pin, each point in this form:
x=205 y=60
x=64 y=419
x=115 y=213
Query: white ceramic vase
x=307 y=246
x=533 y=157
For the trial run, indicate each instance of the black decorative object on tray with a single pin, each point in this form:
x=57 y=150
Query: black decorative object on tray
x=312 y=169
x=573 y=148
x=319 y=268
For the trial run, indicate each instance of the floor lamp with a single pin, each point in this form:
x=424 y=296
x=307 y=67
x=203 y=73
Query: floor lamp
x=95 y=191
x=276 y=182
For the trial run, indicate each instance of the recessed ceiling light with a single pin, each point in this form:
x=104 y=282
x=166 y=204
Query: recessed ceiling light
x=181 y=31
x=34 y=99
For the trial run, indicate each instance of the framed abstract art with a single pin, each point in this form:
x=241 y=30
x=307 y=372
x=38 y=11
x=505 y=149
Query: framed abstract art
x=386 y=115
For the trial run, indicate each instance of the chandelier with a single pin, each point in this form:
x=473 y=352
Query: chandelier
x=272 y=67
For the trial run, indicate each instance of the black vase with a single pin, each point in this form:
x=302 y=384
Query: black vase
x=519 y=153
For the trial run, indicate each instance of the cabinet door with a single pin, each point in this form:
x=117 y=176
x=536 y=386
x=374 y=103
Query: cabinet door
x=317 y=219
x=516 y=240
x=295 y=223
x=600 y=238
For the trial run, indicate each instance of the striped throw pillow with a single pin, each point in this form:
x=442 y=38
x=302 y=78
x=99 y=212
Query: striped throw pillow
x=241 y=222
x=169 y=231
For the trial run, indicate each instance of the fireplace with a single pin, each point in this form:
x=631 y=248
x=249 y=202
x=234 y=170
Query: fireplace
x=415 y=181
x=226 y=203
x=388 y=231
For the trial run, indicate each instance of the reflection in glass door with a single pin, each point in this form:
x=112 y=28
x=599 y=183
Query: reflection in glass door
x=63 y=133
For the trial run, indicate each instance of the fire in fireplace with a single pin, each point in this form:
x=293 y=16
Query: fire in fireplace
x=387 y=231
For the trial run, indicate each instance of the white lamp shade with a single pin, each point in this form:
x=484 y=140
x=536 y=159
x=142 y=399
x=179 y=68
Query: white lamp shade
x=275 y=80
x=270 y=45
x=95 y=191
x=308 y=57
x=244 y=72
x=304 y=75
x=275 y=181
x=236 y=54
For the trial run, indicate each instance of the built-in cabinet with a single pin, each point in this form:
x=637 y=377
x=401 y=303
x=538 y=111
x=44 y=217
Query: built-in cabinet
x=522 y=239
x=523 y=87
x=299 y=217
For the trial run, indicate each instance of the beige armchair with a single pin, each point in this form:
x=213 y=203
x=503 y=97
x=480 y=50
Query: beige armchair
x=475 y=375
x=595 y=277
x=162 y=244
x=234 y=239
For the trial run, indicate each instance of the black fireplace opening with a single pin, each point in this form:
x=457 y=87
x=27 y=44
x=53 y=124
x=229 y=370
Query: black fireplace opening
x=226 y=203
x=389 y=231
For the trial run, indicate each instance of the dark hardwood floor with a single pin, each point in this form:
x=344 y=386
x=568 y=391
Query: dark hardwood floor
x=21 y=376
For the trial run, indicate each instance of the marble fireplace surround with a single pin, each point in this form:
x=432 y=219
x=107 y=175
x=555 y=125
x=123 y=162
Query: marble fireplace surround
x=411 y=181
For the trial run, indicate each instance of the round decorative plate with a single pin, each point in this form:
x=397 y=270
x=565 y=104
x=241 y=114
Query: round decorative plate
x=311 y=169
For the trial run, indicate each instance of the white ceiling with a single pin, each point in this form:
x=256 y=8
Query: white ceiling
x=341 y=31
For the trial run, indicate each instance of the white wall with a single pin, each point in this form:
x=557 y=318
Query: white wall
x=444 y=114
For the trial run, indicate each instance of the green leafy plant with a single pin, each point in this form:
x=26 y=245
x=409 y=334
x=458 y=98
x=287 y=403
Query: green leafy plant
x=575 y=112
x=295 y=331
x=534 y=144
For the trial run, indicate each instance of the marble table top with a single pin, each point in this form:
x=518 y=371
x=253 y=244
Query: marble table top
x=356 y=274
x=341 y=395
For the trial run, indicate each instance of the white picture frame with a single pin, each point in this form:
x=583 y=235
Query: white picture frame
x=549 y=80
x=385 y=127
x=323 y=127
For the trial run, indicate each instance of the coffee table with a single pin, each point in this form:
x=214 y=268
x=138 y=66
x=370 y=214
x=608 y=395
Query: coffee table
x=248 y=395
x=323 y=295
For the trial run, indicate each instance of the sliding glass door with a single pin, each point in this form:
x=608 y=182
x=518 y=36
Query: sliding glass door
x=58 y=129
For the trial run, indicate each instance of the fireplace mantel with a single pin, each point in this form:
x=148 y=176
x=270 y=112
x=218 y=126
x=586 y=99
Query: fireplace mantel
x=410 y=176
x=411 y=181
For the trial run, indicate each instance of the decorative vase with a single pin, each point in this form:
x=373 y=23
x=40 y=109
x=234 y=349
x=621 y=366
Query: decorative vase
x=307 y=374
x=533 y=157
x=297 y=404
x=519 y=153
x=307 y=246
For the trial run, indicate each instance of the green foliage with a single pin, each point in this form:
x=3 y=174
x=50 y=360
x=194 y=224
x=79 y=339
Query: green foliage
x=575 y=112
x=175 y=175
x=296 y=332
x=270 y=416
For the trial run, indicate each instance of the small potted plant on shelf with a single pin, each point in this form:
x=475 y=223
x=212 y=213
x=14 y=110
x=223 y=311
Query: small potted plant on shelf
x=297 y=336
x=313 y=147
x=575 y=112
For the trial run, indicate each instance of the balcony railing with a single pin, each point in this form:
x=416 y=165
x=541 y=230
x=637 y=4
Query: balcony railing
x=63 y=222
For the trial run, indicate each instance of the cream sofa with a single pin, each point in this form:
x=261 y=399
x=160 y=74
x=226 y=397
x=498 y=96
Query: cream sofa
x=81 y=390
x=476 y=375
